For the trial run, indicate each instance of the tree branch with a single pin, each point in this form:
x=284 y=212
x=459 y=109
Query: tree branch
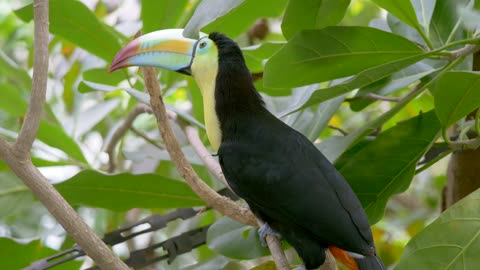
x=17 y=155
x=214 y=167
x=212 y=198
x=120 y=131
x=210 y=163
x=29 y=128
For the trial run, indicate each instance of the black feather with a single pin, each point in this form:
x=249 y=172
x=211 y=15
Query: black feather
x=283 y=177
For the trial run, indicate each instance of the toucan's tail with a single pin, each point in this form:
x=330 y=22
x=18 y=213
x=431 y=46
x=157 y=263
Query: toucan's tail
x=370 y=263
x=357 y=263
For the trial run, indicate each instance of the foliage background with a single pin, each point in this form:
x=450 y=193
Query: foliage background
x=86 y=104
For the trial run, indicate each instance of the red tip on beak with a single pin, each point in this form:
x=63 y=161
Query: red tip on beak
x=121 y=59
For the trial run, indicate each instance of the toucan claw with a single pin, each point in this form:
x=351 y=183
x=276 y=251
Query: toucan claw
x=265 y=230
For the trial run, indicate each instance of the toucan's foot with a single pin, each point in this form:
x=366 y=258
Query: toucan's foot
x=264 y=230
x=301 y=267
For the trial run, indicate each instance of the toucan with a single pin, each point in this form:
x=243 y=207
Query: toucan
x=285 y=180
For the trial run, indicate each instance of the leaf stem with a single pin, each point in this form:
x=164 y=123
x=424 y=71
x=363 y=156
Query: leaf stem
x=477 y=122
x=433 y=161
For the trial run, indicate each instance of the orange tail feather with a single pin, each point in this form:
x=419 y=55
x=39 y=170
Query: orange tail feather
x=344 y=257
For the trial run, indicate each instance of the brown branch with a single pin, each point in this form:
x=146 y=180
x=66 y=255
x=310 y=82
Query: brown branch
x=17 y=155
x=214 y=167
x=30 y=126
x=212 y=198
x=210 y=163
x=120 y=131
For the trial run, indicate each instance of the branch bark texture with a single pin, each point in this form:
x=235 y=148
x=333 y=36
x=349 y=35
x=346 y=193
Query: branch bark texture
x=17 y=155
x=212 y=198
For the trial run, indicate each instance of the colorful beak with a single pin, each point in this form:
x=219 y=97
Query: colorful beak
x=165 y=49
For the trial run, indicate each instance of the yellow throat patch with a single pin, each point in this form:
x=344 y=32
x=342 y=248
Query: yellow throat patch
x=204 y=70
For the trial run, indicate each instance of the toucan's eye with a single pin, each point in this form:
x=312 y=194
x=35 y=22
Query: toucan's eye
x=203 y=44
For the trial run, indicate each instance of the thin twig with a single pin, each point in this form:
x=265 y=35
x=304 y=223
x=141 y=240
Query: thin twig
x=120 y=132
x=465 y=144
x=210 y=163
x=212 y=198
x=344 y=133
x=146 y=138
x=466 y=50
x=17 y=155
x=372 y=96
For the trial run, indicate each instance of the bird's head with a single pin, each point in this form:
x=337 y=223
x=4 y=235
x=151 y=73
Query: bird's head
x=215 y=61
x=168 y=49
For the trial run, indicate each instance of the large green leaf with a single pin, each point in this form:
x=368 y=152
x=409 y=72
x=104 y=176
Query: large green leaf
x=456 y=95
x=452 y=241
x=424 y=11
x=226 y=231
x=14 y=73
x=14 y=195
x=312 y=14
x=402 y=9
x=12 y=100
x=55 y=136
x=313 y=56
x=208 y=11
x=363 y=79
x=231 y=17
x=387 y=165
x=256 y=55
x=121 y=192
x=389 y=85
x=73 y=21
x=162 y=14
x=16 y=255
x=444 y=19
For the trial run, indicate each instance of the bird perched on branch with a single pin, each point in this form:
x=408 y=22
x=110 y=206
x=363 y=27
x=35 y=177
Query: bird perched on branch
x=282 y=176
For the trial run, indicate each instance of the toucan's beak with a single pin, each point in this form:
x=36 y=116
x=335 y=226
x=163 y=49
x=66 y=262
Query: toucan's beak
x=165 y=49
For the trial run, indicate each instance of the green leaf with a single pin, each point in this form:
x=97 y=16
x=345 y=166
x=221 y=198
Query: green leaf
x=240 y=19
x=226 y=231
x=73 y=21
x=397 y=81
x=208 y=11
x=14 y=195
x=55 y=136
x=162 y=14
x=70 y=77
x=456 y=95
x=121 y=192
x=145 y=98
x=424 y=11
x=19 y=256
x=444 y=19
x=451 y=242
x=387 y=165
x=309 y=121
x=89 y=118
x=16 y=75
x=102 y=76
x=334 y=52
x=471 y=18
x=312 y=14
x=402 y=9
x=12 y=100
x=256 y=55
x=363 y=79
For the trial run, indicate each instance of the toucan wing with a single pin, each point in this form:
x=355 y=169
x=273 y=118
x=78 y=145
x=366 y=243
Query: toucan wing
x=284 y=176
